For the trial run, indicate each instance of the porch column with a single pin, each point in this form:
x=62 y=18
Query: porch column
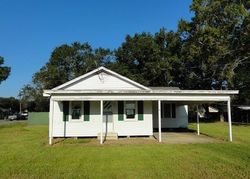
x=198 y=120
x=159 y=119
x=101 y=107
x=51 y=112
x=229 y=120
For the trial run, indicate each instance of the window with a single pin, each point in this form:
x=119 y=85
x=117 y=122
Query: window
x=130 y=109
x=168 y=110
x=173 y=111
x=76 y=110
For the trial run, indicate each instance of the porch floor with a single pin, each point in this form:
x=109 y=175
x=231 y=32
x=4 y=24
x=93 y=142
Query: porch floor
x=184 y=138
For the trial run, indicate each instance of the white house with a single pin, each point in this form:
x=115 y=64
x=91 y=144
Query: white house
x=103 y=102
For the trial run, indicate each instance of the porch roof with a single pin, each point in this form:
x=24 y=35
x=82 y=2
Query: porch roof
x=156 y=91
x=145 y=95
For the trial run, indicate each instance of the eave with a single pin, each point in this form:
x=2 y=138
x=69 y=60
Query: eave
x=145 y=92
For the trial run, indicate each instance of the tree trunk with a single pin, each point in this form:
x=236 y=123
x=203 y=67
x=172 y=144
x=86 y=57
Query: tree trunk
x=222 y=119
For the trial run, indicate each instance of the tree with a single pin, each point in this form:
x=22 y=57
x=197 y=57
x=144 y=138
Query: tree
x=135 y=55
x=208 y=49
x=66 y=63
x=171 y=64
x=11 y=103
x=149 y=59
x=242 y=77
x=31 y=98
x=4 y=71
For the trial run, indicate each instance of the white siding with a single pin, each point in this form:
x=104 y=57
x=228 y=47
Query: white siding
x=181 y=120
x=135 y=127
x=102 y=81
x=76 y=128
x=93 y=127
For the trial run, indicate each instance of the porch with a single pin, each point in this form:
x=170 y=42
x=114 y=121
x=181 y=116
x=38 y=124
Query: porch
x=99 y=123
x=188 y=137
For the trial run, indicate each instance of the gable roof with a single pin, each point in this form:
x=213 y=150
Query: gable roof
x=97 y=71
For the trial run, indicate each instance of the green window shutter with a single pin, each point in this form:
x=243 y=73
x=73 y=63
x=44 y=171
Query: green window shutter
x=86 y=110
x=120 y=110
x=65 y=110
x=140 y=110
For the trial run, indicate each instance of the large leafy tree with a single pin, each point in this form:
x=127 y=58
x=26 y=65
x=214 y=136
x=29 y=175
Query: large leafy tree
x=242 y=48
x=210 y=48
x=69 y=61
x=4 y=70
x=149 y=59
x=169 y=68
x=31 y=98
x=10 y=104
x=66 y=63
x=135 y=55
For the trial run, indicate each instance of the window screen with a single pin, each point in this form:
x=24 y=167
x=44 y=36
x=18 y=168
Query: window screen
x=130 y=109
x=76 y=110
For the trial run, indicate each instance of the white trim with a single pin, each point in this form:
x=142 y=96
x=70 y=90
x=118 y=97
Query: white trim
x=149 y=92
x=117 y=97
x=159 y=119
x=229 y=120
x=198 y=120
x=98 y=70
x=51 y=111
x=124 y=78
x=101 y=116
x=75 y=80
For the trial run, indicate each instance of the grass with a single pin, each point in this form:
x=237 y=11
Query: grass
x=24 y=153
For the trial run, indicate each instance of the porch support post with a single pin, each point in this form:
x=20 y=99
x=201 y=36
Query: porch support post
x=198 y=121
x=51 y=112
x=159 y=119
x=101 y=107
x=229 y=120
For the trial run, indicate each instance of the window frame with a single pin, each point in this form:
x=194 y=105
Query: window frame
x=164 y=111
x=70 y=112
x=135 y=116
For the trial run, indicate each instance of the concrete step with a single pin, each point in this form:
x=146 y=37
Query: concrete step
x=109 y=136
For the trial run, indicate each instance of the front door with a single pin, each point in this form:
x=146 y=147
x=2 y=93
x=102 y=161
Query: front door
x=108 y=117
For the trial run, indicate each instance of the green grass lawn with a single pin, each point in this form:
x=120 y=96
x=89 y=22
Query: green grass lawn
x=24 y=153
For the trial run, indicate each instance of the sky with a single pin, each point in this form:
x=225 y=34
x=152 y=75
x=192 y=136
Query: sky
x=30 y=30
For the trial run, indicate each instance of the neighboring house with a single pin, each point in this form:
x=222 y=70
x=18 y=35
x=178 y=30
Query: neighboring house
x=241 y=114
x=103 y=102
